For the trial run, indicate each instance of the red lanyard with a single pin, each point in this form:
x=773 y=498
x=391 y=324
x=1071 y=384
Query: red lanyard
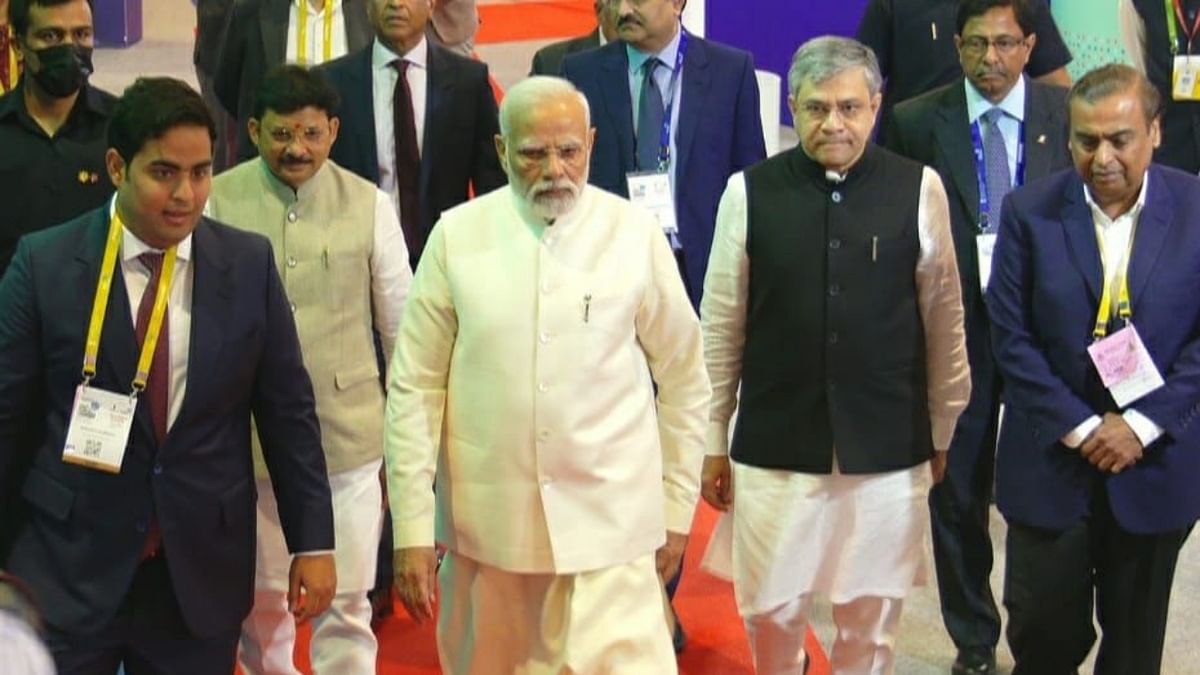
x=1189 y=34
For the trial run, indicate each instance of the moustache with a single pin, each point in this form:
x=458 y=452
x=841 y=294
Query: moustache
x=295 y=161
x=628 y=20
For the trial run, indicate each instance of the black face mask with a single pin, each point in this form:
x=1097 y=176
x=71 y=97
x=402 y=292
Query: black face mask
x=64 y=69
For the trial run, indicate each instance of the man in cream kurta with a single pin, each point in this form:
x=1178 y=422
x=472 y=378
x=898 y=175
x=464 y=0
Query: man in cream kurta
x=832 y=299
x=344 y=265
x=541 y=318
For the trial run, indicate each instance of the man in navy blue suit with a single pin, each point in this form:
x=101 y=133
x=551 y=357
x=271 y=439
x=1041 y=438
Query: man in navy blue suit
x=136 y=525
x=1096 y=330
x=701 y=99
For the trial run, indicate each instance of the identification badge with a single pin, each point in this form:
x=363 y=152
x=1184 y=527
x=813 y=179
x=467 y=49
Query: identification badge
x=652 y=191
x=1125 y=366
x=99 y=429
x=1184 y=79
x=985 y=245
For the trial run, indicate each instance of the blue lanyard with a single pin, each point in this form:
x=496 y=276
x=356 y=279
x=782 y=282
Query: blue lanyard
x=664 y=138
x=981 y=166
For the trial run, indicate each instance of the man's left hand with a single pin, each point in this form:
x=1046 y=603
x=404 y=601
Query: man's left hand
x=670 y=556
x=312 y=581
x=1112 y=447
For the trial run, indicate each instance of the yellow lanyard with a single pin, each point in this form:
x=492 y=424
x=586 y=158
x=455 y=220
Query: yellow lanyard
x=100 y=307
x=14 y=73
x=302 y=33
x=1124 y=310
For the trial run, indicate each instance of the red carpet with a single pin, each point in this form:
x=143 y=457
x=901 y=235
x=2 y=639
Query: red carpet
x=716 y=641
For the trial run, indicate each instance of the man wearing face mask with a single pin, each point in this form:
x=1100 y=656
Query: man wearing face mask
x=341 y=255
x=52 y=124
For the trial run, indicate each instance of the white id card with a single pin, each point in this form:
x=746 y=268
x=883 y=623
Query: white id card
x=99 y=429
x=985 y=245
x=1125 y=366
x=1184 y=79
x=652 y=191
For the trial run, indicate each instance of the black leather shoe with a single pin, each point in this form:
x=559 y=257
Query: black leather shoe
x=974 y=662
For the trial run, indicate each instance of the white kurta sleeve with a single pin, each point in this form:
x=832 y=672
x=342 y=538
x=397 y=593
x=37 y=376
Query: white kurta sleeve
x=391 y=276
x=416 y=401
x=939 y=296
x=669 y=333
x=723 y=311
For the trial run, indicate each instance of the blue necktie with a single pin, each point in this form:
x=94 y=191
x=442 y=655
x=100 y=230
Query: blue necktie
x=650 y=118
x=995 y=161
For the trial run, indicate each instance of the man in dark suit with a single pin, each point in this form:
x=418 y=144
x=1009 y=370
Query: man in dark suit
x=1098 y=460
x=715 y=127
x=949 y=130
x=138 y=538
x=417 y=120
x=210 y=27
x=914 y=42
x=262 y=34
x=548 y=60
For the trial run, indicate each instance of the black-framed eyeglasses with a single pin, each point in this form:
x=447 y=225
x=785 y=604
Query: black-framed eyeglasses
x=1005 y=44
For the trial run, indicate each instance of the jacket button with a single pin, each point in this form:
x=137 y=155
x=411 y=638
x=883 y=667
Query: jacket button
x=835 y=244
x=157 y=469
x=836 y=197
x=834 y=289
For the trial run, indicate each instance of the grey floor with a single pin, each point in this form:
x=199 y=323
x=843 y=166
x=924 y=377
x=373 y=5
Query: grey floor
x=924 y=649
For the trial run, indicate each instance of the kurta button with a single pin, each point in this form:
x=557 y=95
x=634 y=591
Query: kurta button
x=546 y=287
x=291 y=262
x=835 y=244
x=543 y=434
x=833 y=338
x=544 y=337
x=293 y=306
x=291 y=216
x=157 y=469
x=836 y=197
x=834 y=289
x=543 y=387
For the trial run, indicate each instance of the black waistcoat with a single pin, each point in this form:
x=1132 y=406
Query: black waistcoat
x=835 y=347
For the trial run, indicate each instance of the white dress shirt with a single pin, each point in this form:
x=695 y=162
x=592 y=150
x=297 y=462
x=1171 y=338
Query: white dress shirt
x=179 y=307
x=1010 y=123
x=384 y=78
x=314 y=46
x=1116 y=232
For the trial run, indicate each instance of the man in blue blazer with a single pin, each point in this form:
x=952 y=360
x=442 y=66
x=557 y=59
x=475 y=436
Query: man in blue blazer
x=146 y=554
x=1099 y=497
x=451 y=109
x=710 y=104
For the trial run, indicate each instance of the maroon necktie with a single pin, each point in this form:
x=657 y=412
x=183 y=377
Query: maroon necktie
x=156 y=384
x=408 y=162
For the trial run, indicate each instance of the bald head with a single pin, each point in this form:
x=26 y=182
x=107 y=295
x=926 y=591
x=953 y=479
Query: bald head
x=545 y=143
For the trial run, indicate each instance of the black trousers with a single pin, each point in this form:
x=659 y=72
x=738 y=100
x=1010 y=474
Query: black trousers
x=148 y=635
x=959 y=509
x=1052 y=578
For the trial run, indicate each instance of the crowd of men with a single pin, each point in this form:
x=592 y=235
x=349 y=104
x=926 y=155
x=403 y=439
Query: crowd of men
x=340 y=323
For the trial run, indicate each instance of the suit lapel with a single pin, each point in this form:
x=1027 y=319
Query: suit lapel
x=1152 y=228
x=952 y=133
x=1080 y=232
x=274 y=31
x=211 y=294
x=439 y=91
x=694 y=89
x=1039 y=133
x=618 y=105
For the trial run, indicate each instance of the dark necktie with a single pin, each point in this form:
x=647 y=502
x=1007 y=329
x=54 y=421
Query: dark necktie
x=650 y=118
x=408 y=162
x=156 y=383
x=160 y=365
x=995 y=160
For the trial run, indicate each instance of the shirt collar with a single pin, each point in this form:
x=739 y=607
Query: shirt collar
x=132 y=247
x=638 y=58
x=1101 y=218
x=1013 y=105
x=382 y=57
x=91 y=99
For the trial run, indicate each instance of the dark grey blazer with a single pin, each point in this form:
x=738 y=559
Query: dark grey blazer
x=548 y=60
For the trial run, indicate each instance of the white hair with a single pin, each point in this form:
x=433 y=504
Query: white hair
x=534 y=91
x=824 y=57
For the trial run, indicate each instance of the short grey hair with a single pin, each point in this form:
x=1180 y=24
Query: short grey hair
x=824 y=57
x=535 y=90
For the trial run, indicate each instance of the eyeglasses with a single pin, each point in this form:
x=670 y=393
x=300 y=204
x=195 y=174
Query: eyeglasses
x=1005 y=45
x=309 y=136
x=847 y=110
